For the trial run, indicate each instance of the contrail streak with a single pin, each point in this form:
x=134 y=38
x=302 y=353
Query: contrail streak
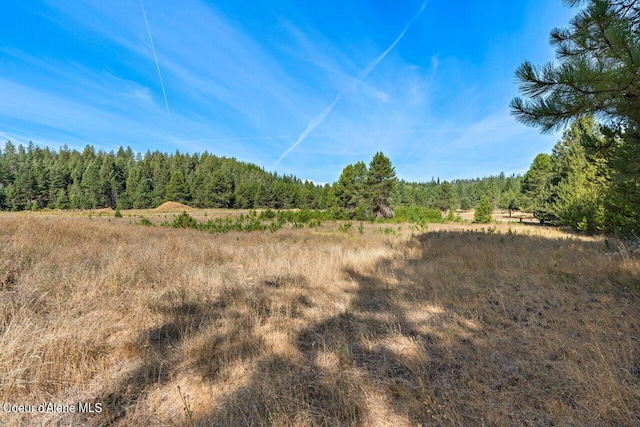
x=310 y=127
x=315 y=122
x=365 y=72
x=153 y=48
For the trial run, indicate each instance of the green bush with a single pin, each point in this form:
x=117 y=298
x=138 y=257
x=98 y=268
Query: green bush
x=275 y=226
x=345 y=227
x=144 y=221
x=118 y=214
x=184 y=220
x=267 y=214
x=418 y=214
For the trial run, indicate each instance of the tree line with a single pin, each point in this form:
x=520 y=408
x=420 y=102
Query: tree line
x=502 y=191
x=32 y=178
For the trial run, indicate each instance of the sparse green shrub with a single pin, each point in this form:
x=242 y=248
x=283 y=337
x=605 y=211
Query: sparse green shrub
x=304 y=215
x=583 y=225
x=267 y=214
x=345 y=227
x=184 y=220
x=418 y=227
x=417 y=214
x=315 y=223
x=254 y=224
x=144 y=221
x=275 y=226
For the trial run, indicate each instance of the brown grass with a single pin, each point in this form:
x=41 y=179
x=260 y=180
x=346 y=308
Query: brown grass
x=301 y=327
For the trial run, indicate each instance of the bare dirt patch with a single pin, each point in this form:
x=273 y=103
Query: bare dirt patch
x=172 y=207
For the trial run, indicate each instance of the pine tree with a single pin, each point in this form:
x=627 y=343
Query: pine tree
x=445 y=197
x=350 y=189
x=62 y=199
x=91 y=186
x=56 y=185
x=597 y=73
x=538 y=189
x=76 y=197
x=24 y=183
x=582 y=179
x=219 y=189
x=483 y=211
x=110 y=181
x=2 y=197
x=10 y=168
x=509 y=201
x=381 y=181
x=177 y=189
x=139 y=188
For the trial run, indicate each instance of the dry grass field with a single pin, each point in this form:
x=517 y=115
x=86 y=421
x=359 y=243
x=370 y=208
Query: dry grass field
x=303 y=327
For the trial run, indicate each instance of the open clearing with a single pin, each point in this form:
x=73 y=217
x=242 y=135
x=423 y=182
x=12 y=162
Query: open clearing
x=455 y=326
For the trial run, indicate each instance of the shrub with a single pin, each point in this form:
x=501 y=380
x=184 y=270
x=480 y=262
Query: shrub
x=418 y=214
x=304 y=215
x=118 y=214
x=275 y=226
x=144 y=221
x=253 y=224
x=267 y=214
x=184 y=220
x=345 y=227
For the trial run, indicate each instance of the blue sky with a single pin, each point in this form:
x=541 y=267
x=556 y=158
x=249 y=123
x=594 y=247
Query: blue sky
x=298 y=87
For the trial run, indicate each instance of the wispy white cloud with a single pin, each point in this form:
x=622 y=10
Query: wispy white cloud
x=316 y=121
x=468 y=150
x=212 y=63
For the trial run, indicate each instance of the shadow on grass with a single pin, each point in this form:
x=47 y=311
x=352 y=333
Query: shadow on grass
x=458 y=329
x=187 y=315
x=371 y=354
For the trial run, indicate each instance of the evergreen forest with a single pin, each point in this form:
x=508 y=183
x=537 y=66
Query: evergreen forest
x=33 y=178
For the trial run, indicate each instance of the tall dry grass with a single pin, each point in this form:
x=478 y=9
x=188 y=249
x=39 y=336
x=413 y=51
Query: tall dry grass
x=305 y=327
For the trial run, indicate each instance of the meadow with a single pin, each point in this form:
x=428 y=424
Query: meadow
x=375 y=324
